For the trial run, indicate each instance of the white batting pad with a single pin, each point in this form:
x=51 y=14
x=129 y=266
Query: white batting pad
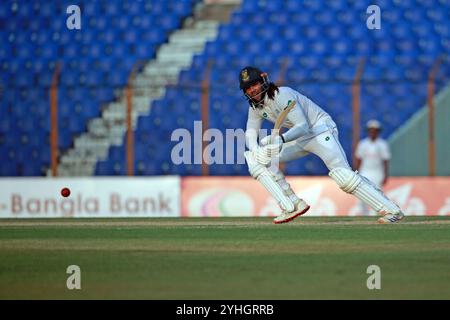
x=287 y=189
x=263 y=175
x=351 y=182
x=276 y=191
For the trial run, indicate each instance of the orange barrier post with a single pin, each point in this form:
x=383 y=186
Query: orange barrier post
x=130 y=132
x=54 y=121
x=430 y=102
x=205 y=114
x=356 y=91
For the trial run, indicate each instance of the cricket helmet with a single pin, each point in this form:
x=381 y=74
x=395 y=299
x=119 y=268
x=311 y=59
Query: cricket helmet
x=248 y=76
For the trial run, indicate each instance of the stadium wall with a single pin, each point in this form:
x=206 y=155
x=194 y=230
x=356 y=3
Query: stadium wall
x=172 y=196
x=409 y=144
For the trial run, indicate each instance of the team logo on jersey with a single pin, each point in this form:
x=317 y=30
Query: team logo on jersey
x=265 y=115
x=244 y=75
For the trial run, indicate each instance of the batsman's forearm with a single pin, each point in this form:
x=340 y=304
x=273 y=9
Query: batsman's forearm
x=295 y=132
x=251 y=139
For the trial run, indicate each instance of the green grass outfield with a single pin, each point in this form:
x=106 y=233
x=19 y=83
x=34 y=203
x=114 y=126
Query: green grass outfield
x=225 y=258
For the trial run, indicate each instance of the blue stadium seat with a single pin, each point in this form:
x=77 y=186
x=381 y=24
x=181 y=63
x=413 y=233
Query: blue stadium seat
x=116 y=153
x=9 y=169
x=104 y=168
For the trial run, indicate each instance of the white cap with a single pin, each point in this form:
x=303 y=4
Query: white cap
x=373 y=124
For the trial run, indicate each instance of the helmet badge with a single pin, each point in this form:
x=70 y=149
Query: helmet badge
x=244 y=75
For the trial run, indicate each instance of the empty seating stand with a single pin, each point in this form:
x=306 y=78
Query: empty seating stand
x=320 y=42
x=94 y=61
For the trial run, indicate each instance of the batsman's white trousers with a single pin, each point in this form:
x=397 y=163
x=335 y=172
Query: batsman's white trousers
x=325 y=145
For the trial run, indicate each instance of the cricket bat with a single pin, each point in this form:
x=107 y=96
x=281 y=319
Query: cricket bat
x=281 y=117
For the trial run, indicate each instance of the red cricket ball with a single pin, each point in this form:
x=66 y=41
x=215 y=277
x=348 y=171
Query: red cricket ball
x=65 y=192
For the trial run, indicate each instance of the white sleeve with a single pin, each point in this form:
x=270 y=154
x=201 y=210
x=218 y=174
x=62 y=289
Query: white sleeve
x=385 y=152
x=251 y=132
x=296 y=116
x=299 y=129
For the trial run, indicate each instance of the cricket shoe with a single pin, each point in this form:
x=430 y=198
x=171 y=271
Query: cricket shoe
x=300 y=208
x=391 y=218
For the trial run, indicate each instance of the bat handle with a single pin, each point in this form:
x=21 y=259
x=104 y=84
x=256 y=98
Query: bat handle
x=275 y=132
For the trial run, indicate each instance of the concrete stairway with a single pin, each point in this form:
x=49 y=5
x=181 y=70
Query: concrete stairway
x=149 y=85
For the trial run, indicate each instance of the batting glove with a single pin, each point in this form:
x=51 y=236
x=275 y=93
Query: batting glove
x=265 y=154
x=262 y=156
x=278 y=140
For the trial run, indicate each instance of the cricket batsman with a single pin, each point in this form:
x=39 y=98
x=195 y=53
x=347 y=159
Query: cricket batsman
x=310 y=130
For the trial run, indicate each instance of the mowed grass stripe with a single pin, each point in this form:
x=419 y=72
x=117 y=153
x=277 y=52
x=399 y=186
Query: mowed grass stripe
x=206 y=222
x=322 y=260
